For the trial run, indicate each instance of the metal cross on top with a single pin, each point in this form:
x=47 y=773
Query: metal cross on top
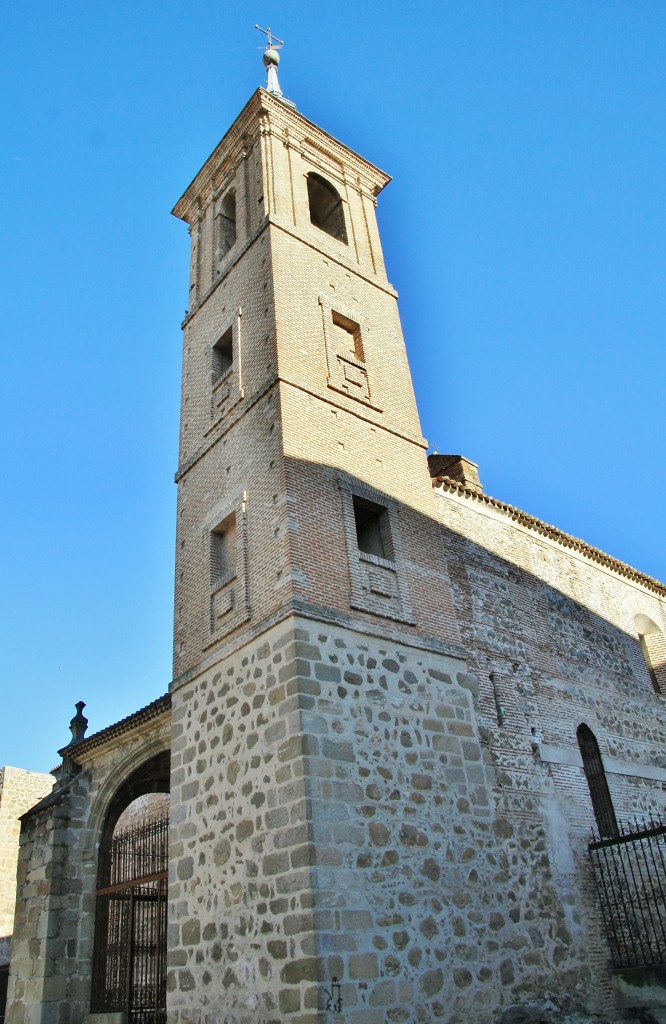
x=271 y=60
x=273 y=42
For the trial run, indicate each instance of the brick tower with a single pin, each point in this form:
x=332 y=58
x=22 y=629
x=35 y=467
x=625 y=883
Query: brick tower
x=310 y=582
x=295 y=386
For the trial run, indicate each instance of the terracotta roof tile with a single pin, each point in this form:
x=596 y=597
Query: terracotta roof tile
x=152 y=710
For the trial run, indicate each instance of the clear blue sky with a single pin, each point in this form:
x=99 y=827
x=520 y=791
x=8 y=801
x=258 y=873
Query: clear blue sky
x=524 y=230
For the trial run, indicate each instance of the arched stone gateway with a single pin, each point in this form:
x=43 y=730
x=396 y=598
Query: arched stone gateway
x=129 y=962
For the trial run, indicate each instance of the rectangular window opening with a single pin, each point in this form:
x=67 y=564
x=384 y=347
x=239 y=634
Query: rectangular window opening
x=348 y=336
x=223 y=356
x=223 y=553
x=372 y=528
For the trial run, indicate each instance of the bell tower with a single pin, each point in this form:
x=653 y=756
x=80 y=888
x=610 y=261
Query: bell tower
x=299 y=423
x=310 y=576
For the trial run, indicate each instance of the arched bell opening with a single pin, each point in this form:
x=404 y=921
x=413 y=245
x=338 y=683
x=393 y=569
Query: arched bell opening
x=326 y=211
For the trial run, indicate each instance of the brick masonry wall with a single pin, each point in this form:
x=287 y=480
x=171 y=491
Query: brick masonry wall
x=19 y=790
x=286 y=394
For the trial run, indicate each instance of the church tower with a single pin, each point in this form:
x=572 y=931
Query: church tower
x=311 y=588
x=299 y=429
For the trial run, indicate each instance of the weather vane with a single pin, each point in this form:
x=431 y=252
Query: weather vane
x=271 y=60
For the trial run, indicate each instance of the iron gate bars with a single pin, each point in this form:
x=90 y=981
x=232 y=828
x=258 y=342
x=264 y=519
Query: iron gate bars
x=129 y=959
x=630 y=875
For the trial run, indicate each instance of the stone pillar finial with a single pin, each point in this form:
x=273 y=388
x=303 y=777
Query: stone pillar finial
x=78 y=724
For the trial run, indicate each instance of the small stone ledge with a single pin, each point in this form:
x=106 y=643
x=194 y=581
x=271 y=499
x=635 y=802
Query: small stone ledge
x=117 y=1017
x=643 y=987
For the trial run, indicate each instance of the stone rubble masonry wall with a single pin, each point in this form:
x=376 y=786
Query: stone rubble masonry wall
x=551 y=639
x=51 y=965
x=334 y=814
x=240 y=890
x=19 y=790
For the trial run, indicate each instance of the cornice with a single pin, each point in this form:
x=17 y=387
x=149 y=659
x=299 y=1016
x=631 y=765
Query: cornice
x=445 y=483
x=264 y=114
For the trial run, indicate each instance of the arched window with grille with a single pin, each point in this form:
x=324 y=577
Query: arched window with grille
x=129 y=959
x=595 y=774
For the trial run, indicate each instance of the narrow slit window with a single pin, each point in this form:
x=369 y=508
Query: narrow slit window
x=326 y=212
x=371 y=528
x=223 y=553
x=223 y=356
x=602 y=805
x=226 y=224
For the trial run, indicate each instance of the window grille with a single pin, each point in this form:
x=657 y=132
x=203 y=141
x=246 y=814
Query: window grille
x=630 y=876
x=602 y=804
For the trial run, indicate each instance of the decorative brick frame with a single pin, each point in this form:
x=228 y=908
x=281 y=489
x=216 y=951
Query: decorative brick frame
x=227 y=389
x=346 y=374
x=377 y=585
x=229 y=597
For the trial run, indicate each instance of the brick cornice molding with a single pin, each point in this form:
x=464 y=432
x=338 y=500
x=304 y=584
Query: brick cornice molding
x=447 y=484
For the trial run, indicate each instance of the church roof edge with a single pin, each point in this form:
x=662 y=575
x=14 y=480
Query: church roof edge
x=145 y=714
x=447 y=483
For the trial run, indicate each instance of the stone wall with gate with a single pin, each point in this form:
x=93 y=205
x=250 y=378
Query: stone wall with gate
x=50 y=976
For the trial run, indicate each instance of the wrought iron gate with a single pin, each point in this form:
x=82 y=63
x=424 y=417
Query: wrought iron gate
x=129 y=962
x=630 y=875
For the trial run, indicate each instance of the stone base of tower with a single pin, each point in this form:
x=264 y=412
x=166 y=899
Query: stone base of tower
x=339 y=839
x=306 y=839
